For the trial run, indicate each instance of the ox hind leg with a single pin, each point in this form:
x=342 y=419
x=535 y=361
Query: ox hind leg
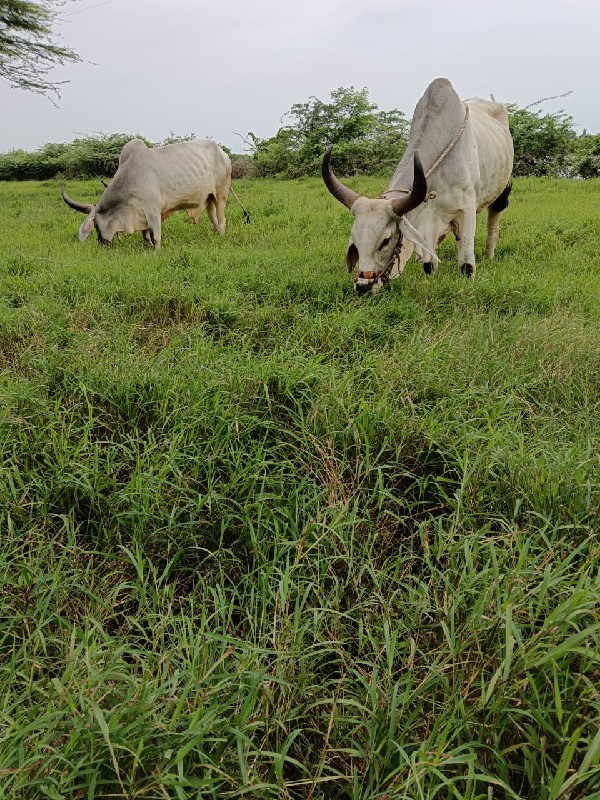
x=493 y=221
x=215 y=208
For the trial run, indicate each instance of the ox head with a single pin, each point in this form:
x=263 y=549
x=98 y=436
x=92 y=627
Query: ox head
x=107 y=217
x=93 y=220
x=379 y=226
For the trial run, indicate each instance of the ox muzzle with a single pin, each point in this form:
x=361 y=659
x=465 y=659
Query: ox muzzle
x=373 y=280
x=366 y=281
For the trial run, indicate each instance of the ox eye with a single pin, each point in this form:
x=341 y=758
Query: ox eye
x=385 y=242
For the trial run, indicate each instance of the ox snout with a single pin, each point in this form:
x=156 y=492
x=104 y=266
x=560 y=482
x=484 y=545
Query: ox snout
x=101 y=240
x=362 y=288
x=366 y=282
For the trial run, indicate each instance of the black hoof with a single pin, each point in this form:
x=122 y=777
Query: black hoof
x=428 y=268
x=467 y=270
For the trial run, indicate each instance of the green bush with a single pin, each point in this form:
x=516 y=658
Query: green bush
x=587 y=161
x=367 y=140
x=86 y=157
x=544 y=143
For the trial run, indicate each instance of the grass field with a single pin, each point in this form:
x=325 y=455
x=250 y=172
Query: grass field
x=263 y=538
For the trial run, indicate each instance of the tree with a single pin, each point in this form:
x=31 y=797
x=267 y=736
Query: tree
x=365 y=138
x=27 y=49
x=587 y=155
x=544 y=143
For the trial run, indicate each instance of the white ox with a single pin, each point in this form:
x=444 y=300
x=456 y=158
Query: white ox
x=458 y=161
x=151 y=183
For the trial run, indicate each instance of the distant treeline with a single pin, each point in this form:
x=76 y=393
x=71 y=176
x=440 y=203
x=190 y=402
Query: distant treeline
x=367 y=141
x=87 y=157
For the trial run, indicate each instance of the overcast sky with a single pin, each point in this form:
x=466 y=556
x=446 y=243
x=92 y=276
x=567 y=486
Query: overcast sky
x=216 y=68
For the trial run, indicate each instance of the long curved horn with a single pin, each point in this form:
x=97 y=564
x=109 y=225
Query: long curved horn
x=85 y=208
x=335 y=186
x=405 y=204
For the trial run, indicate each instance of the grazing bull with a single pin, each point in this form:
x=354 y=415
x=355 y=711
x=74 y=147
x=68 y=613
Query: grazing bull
x=151 y=183
x=458 y=160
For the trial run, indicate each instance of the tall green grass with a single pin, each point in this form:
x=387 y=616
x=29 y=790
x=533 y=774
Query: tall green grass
x=262 y=538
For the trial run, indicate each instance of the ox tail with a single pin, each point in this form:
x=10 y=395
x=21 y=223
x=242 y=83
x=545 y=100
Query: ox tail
x=247 y=219
x=501 y=202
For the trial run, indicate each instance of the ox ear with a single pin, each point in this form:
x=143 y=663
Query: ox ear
x=351 y=256
x=87 y=226
x=413 y=235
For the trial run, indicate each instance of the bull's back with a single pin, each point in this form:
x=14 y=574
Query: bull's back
x=188 y=172
x=489 y=121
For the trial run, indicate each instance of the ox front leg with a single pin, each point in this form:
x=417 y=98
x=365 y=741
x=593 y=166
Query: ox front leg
x=432 y=229
x=154 y=231
x=465 y=240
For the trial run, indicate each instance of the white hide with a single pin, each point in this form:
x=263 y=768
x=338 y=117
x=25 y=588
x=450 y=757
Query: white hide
x=469 y=179
x=151 y=183
x=475 y=168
